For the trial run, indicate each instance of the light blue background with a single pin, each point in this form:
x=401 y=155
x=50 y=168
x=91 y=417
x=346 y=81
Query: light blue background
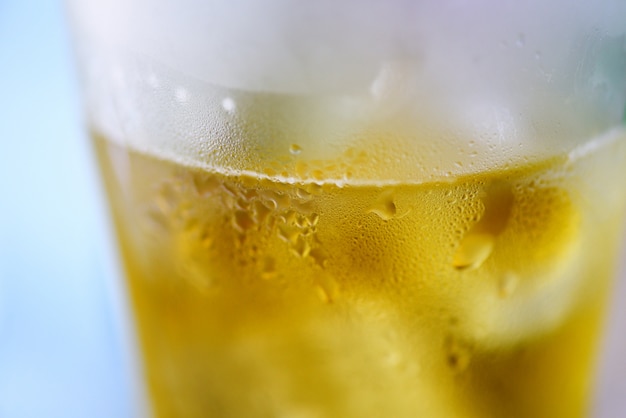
x=61 y=351
x=60 y=347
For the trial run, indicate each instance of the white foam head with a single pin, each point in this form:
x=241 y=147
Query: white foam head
x=486 y=70
x=327 y=45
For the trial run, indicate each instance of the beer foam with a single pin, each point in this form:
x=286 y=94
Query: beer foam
x=332 y=46
x=216 y=78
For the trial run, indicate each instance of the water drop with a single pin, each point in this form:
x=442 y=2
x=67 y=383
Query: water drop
x=314 y=219
x=384 y=207
x=319 y=256
x=473 y=251
x=288 y=233
x=303 y=194
x=301 y=247
x=229 y=105
x=302 y=221
x=260 y=211
x=290 y=217
x=295 y=149
x=242 y=220
x=521 y=40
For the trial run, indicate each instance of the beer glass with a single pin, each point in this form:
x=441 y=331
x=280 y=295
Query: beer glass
x=361 y=208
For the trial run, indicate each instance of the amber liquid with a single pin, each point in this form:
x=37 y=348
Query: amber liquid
x=477 y=296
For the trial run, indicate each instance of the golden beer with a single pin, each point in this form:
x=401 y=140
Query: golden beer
x=292 y=294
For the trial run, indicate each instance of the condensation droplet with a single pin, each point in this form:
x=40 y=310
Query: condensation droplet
x=302 y=221
x=314 y=219
x=473 y=251
x=384 y=207
x=303 y=194
x=319 y=256
x=260 y=211
x=229 y=105
x=242 y=220
x=301 y=247
x=521 y=40
x=282 y=201
x=288 y=233
x=290 y=217
x=295 y=149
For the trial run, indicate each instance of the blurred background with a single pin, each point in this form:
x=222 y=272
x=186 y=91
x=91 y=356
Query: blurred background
x=61 y=341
